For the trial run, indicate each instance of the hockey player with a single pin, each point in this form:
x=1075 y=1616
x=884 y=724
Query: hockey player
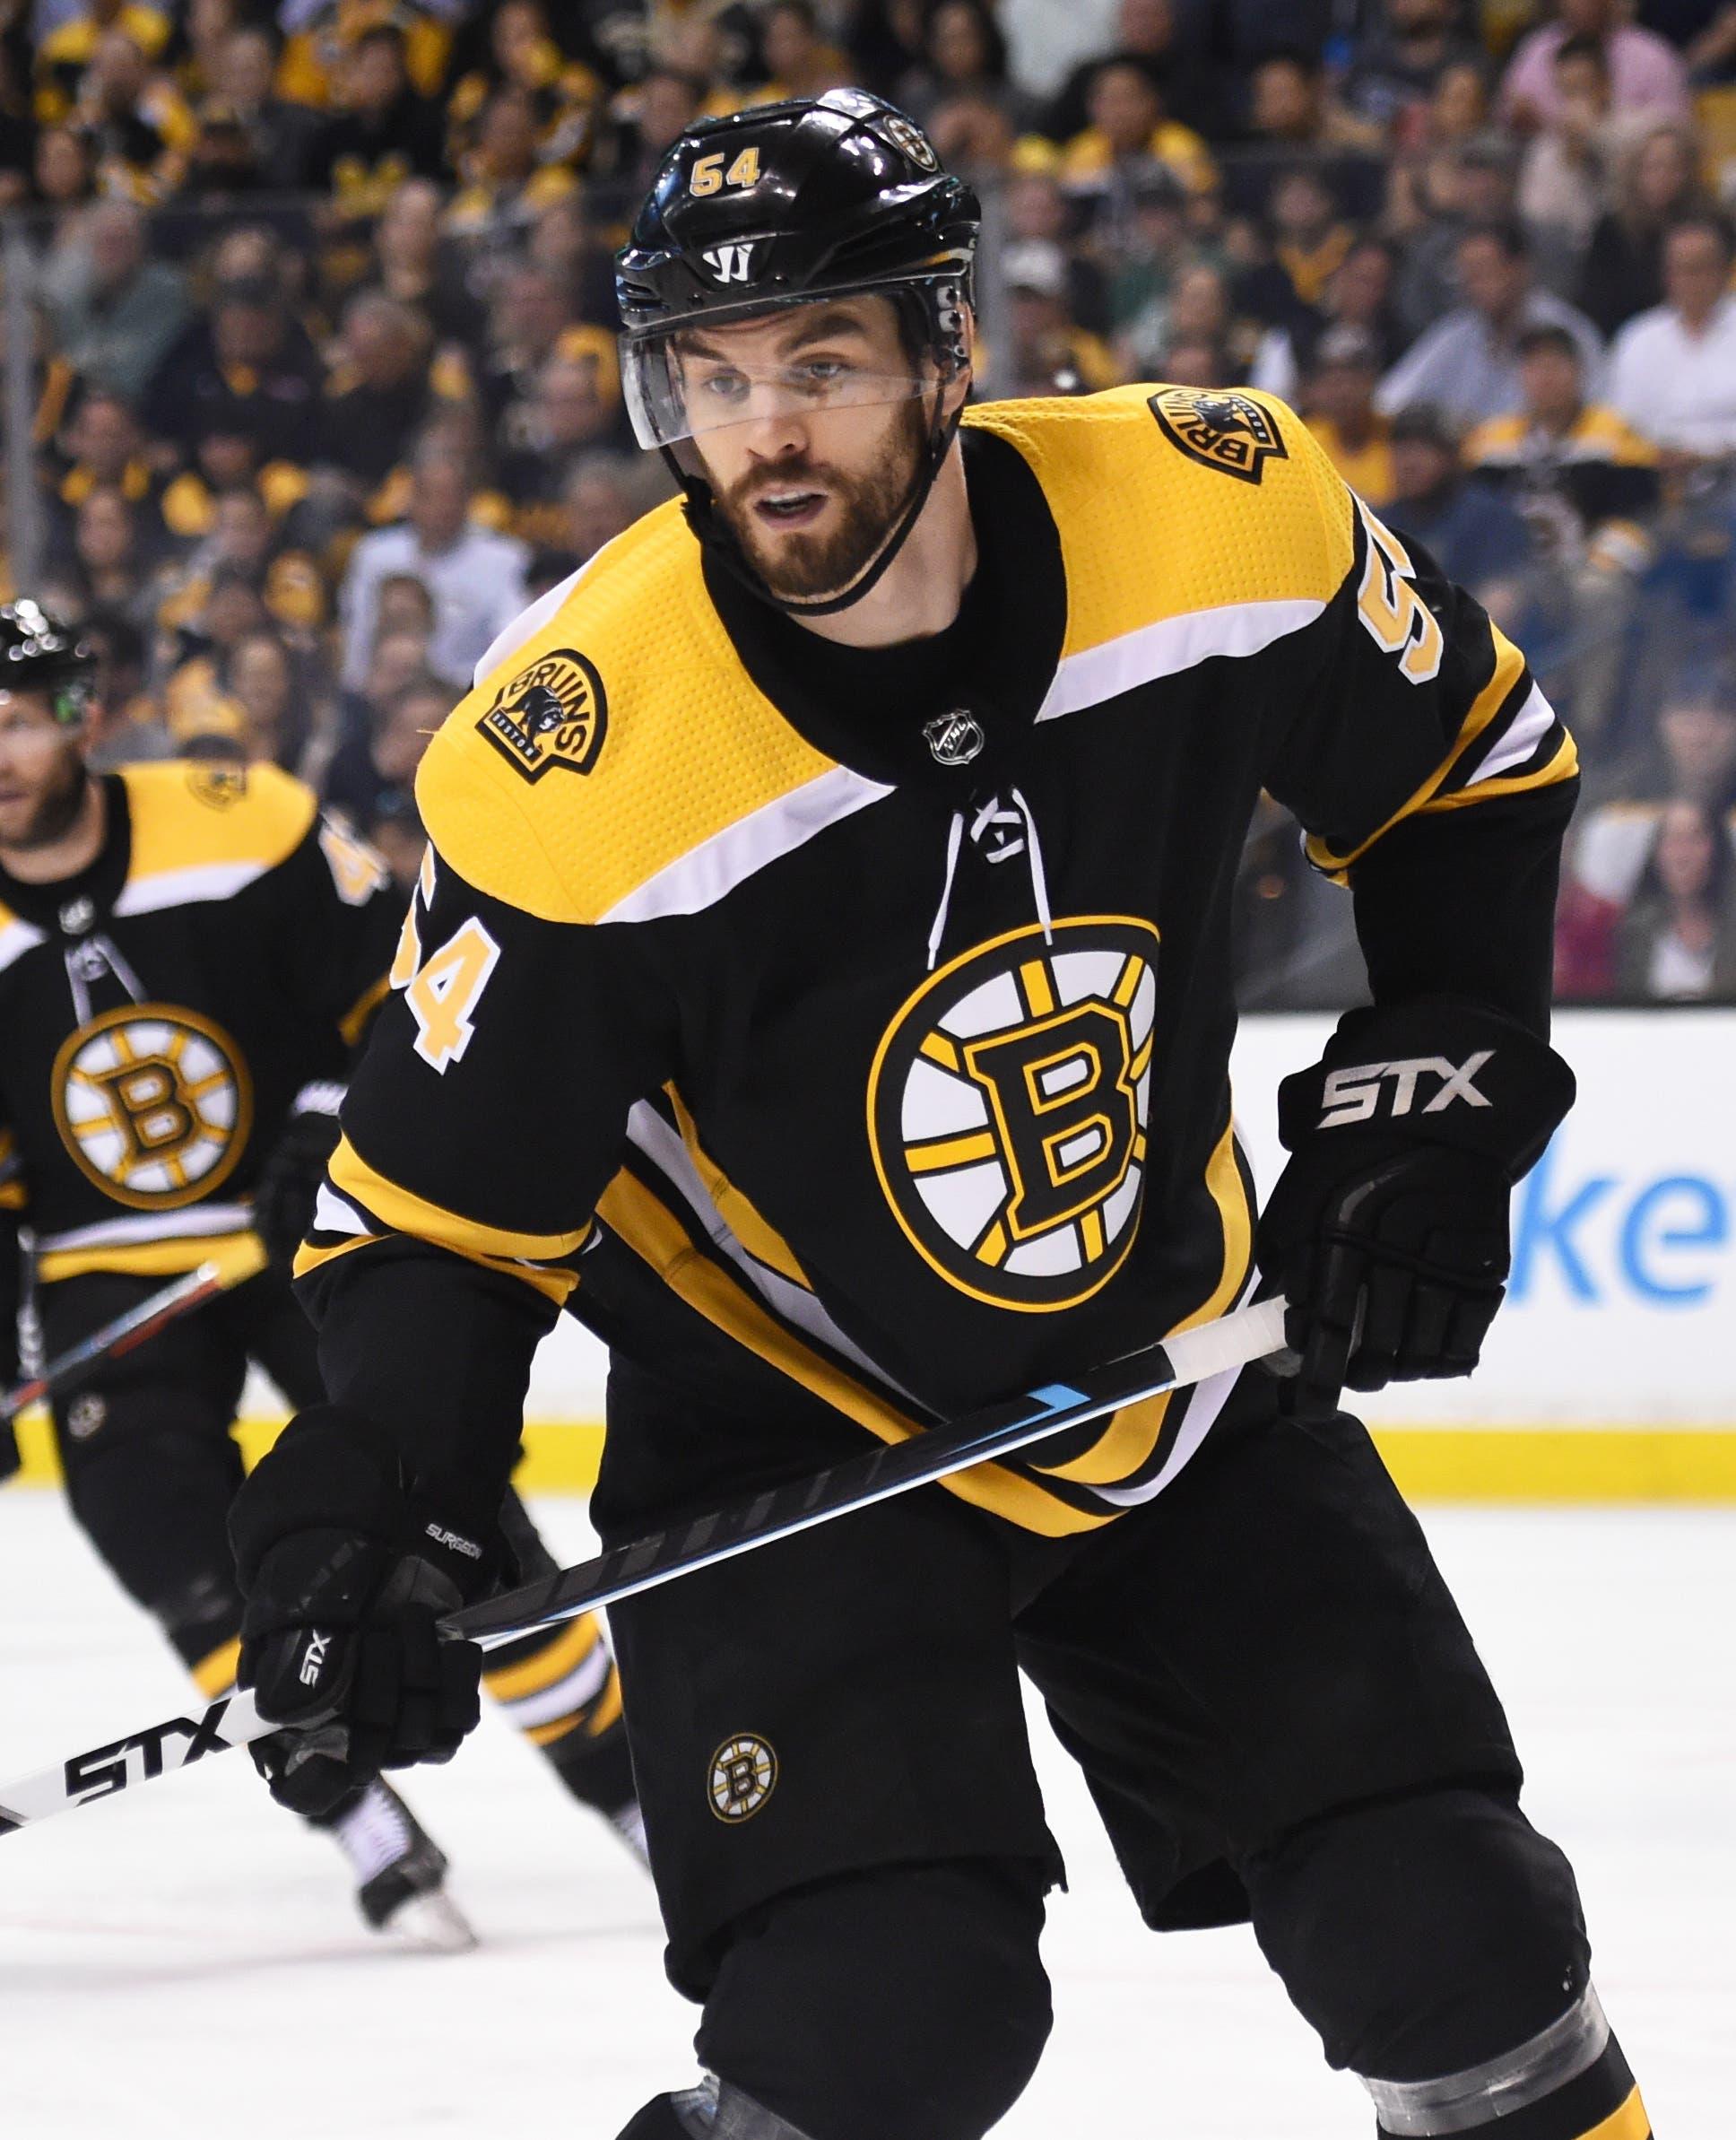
x=857 y=845
x=187 y=953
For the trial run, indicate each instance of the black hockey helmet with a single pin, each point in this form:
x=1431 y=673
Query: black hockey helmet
x=782 y=204
x=39 y=653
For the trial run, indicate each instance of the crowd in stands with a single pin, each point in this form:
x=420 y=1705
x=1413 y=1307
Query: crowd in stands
x=325 y=386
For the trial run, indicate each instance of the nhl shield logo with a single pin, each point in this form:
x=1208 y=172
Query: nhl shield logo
x=1007 y=1110
x=953 y=738
x=1221 y=430
x=553 y=713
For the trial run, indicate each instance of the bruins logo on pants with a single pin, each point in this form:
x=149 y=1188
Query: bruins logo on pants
x=1007 y=1110
x=153 y=1102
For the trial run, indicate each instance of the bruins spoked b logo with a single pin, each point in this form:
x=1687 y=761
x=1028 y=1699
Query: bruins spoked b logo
x=553 y=713
x=744 y=1776
x=1229 y=432
x=1007 y=1110
x=153 y=1102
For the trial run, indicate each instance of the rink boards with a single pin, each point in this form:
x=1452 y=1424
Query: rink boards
x=1610 y=1374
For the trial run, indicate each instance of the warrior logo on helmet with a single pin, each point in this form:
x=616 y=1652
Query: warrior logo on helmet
x=553 y=713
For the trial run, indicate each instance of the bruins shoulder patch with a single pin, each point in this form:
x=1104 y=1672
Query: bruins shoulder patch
x=1219 y=428
x=553 y=713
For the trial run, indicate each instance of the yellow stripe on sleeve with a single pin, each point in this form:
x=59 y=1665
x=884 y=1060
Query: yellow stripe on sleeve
x=1509 y=665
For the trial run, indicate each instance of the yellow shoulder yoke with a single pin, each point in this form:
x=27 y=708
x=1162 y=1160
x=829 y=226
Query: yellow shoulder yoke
x=666 y=742
x=1170 y=500
x=191 y=813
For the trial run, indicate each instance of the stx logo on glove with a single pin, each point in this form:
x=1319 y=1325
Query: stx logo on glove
x=1353 y=1095
x=313 y=1659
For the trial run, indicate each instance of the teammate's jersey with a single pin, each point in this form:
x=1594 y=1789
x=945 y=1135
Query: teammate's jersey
x=160 y=1011
x=913 y=1030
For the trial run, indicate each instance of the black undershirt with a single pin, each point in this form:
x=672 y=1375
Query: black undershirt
x=868 y=707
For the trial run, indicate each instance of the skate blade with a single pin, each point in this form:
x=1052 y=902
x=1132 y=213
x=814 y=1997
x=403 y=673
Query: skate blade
x=431 y=1924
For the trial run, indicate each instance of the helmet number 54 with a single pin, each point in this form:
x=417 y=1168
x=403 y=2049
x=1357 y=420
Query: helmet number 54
x=709 y=175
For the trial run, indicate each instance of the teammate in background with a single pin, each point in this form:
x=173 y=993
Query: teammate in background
x=188 y=954
x=866 y=865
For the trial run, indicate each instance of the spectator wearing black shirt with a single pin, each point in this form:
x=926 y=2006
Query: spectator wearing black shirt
x=249 y=367
x=368 y=772
x=1399 y=60
x=1150 y=31
x=379 y=392
x=568 y=417
x=383 y=135
x=280 y=132
x=414 y=266
x=1656 y=181
x=1476 y=537
x=1291 y=114
x=964 y=56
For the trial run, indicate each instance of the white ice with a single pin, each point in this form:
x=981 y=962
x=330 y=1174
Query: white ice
x=186 y=1961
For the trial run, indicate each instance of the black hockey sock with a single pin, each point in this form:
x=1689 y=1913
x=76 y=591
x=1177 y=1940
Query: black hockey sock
x=562 y=1688
x=1569 y=2082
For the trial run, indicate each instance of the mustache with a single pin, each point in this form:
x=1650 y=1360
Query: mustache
x=747 y=488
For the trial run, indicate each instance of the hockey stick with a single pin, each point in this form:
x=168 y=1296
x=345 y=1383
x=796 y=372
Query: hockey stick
x=244 y=1260
x=858 y=1482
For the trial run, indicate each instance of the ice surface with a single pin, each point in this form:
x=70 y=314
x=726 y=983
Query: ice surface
x=187 y=1961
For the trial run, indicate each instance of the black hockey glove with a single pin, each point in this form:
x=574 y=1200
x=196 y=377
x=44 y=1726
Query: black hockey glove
x=345 y=1576
x=1388 y=1230
x=10 y=1459
x=284 y=1201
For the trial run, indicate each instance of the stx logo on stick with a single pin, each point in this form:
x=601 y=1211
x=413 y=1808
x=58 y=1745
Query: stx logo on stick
x=103 y=1771
x=1353 y=1095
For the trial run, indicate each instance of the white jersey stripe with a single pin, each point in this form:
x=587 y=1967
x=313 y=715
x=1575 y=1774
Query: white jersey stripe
x=705 y=874
x=1169 y=647
x=1531 y=724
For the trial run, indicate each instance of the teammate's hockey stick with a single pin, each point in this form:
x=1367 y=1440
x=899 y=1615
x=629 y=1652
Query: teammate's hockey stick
x=244 y=1260
x=859 y=1482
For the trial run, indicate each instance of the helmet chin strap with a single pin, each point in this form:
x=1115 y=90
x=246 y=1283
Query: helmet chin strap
x=718 y=539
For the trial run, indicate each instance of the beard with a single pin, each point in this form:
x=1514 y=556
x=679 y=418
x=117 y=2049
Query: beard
x=55 y=809
x=802 y=567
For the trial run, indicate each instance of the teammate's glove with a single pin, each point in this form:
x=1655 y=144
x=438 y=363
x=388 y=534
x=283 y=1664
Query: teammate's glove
x=1388 y=1230
x=345 y=1576
x=284 y=1201
x=10 y=1459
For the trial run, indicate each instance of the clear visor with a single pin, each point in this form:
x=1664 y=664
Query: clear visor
x=685 y=385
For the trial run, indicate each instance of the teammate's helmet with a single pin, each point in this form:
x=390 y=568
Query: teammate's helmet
x=39 y=653
x=838 y=195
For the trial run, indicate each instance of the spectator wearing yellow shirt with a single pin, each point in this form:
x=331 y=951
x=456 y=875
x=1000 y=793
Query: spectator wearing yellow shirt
x=67 y=52
x=1341 y=412
x=322 y=38
x=1129 y=130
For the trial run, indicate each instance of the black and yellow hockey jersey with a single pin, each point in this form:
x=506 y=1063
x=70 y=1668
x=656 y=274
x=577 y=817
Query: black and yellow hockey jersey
x=878 y=1004
x=160 y=1011
x=1591 y=490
